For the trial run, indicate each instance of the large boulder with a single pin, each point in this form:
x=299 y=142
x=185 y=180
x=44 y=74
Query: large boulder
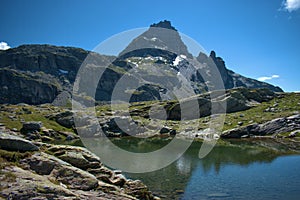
x=76 y=156
x=15 y=143
x=60 y=171
x=64 y=119
x=32 y=126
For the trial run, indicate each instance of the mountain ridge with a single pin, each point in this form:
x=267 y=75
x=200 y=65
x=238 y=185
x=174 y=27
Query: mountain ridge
x=60 y=65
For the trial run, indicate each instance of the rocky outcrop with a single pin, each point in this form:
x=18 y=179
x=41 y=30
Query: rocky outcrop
x=32 y=126
x=64 y=119
x=230 y=78
x=65 y=172
x=159 y=36
x=121 y=126
x=163 y=24
x=37 y=74
x=49 y=59
x=15 y=143
x=273 y=127
x=72 y=177
x=236 y=100
x=24 y=87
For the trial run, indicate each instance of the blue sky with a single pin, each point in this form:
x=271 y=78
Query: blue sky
x=256 y=38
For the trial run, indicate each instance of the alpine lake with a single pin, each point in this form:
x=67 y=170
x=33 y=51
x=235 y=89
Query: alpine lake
x=234 y=169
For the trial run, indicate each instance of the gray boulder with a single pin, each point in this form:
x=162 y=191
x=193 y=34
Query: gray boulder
x=32 y=126
x=14 y=143
x=64 y=119
x=60 y=171
x=164 y=130
x=76 y=156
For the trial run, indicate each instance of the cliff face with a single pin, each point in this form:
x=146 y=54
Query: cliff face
x=37 y=74
x=28 y=88
x=49 y=59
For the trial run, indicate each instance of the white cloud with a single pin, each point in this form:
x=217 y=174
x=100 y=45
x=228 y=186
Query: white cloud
x=265 y=78
x=4 y=46
x=291 y=5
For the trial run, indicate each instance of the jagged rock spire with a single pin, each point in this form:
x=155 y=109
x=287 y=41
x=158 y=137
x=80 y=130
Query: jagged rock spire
x=164 y=24
x=159 y=36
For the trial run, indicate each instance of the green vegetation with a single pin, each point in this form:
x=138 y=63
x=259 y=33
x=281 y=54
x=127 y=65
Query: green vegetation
x=11 y=157
x=12 y=116
x=283 y=106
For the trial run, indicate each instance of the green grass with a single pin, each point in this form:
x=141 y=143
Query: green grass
x=11 y=157
x=286 y=105
x=37 y=114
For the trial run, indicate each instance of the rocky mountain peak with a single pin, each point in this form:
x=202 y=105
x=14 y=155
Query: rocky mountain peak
x=163 y=24
x=213 y=54
x=159 y=36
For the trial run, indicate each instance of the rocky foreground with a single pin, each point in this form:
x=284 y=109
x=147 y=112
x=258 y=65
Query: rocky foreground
x=37 y=170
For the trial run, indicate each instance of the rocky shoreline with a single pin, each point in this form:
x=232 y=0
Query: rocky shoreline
x=272 y=128
x=37 y=170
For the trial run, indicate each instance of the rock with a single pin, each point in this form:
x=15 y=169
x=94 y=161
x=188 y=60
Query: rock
x=64 y=119
x=31 y=126
x=26 y=110
x=69 y=138
x=26 y=87
x=173 y=132
x=58 y=170
x=238 y=99
x=121 y=126
x=239 y=132
x=138 y=189
x=273 y=127
x=50 y=132
x=163 y=24
x=76 y=156
x=294 y=134
x=69 y=135
x=14 y=143
x=26 y=184
x=46 y=138
x=165 y=130
x=240 y=123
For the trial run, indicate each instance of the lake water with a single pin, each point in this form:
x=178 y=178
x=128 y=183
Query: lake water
x=239 y=170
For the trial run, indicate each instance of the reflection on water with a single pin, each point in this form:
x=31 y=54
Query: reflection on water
x=239 y=170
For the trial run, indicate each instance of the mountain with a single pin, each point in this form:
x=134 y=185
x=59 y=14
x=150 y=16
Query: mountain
x=157 y=61
x=159 y=36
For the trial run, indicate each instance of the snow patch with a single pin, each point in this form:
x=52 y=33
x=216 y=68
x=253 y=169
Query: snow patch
x=153 y=39
x=63 y=71
x=178 y=59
